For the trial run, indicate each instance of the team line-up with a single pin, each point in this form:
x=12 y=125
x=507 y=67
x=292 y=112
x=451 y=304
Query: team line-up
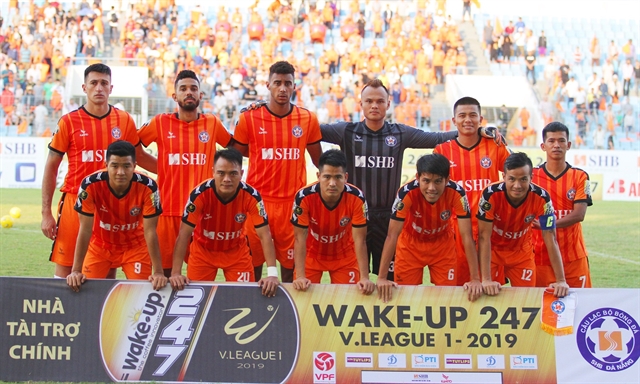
x=471 y=227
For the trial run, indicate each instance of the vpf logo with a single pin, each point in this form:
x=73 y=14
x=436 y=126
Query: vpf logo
x=324 y=361
x=485 y=162
x=607 y=339
x=392 y=360
x=491 y=361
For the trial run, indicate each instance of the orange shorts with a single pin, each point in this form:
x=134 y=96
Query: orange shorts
x=412 y=255
x=279 y=215
x=135 y=262
x=518 y=266
x=64 y=245
x=342 y=271
x=575 y=272
x=167 y=230
x=235 y=264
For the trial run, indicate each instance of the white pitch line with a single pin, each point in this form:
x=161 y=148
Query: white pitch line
x=613 y=257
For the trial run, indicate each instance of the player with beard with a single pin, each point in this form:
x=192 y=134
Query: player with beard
x=186 y=143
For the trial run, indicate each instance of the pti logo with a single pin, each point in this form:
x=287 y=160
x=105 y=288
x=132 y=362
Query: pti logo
x=324 y=367
x=524 y=362
x=607 y=339
x=425 y=361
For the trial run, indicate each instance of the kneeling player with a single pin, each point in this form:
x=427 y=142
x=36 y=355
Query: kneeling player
x=125 y=206
x=505 y=216
x=334 y=213
x=214 y=215
x=420 y=233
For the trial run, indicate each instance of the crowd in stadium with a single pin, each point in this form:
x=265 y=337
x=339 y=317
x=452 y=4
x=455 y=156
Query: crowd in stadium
x=409 y=45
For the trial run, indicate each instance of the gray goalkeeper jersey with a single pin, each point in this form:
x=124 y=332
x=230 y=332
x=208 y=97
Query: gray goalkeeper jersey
x=374 y=158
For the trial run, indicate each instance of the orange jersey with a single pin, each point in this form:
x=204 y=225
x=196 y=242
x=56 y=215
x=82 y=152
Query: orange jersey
x=512 y=224
x=277 y=165
x=118 y=220
x=570 y=187
x=218 y=225
x=423 y=220
x=330 y=236
x=474 y=168
x=85 y=138
x=185 y=154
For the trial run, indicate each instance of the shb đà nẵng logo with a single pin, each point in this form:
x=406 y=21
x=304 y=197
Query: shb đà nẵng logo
x=608 y=339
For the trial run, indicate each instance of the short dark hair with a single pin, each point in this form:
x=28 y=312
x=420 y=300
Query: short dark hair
x=186 y=74
x=435 y=164
x=375 y=83
x=334 y=158
x=282 y=68
x=467 y=101
x=121 y=148
x=98 y=67
x=232 y=155
x=517 y=160
x=554 y=126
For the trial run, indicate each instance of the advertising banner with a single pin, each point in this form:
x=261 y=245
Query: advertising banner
x=22 y=161
x=124 y=331
x=613 y=175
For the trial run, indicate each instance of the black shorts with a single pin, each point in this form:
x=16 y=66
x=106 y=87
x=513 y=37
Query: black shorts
x=377 y=228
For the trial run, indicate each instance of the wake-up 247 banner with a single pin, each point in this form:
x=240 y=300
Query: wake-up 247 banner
x=124 y=331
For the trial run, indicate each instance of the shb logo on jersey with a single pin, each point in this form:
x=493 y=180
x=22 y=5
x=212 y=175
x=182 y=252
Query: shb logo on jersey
x=485 y=162
x=607 y=339
x=297 y=131
x=116 y=133
x=344 y=221
x=90 y=156
x=203 y=136
x=374 y=162
x=391 y=141
x=280 y=153
x=571 y=194
x=240 y=218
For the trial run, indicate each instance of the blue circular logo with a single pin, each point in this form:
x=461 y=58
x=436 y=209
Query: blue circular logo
x=116 y=133
x=203 y=136
x=557 y=307
x=607 y=339
x=391 y=141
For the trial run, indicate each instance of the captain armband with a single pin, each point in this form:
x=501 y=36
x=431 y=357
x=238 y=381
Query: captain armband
x=547 y=221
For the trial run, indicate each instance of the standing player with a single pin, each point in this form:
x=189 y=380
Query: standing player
x=275 y=136
x=118 y=212
x=420 y=233
x=335 y=214
x=186 y=145
x=506 y=213
x=475 y=163
x=83 y=135
x=215 y=215
x=374 y=150
x=570 y=193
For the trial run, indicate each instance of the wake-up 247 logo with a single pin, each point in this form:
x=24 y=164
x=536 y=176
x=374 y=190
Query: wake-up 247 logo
x=228 y=333
x=608 y=339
